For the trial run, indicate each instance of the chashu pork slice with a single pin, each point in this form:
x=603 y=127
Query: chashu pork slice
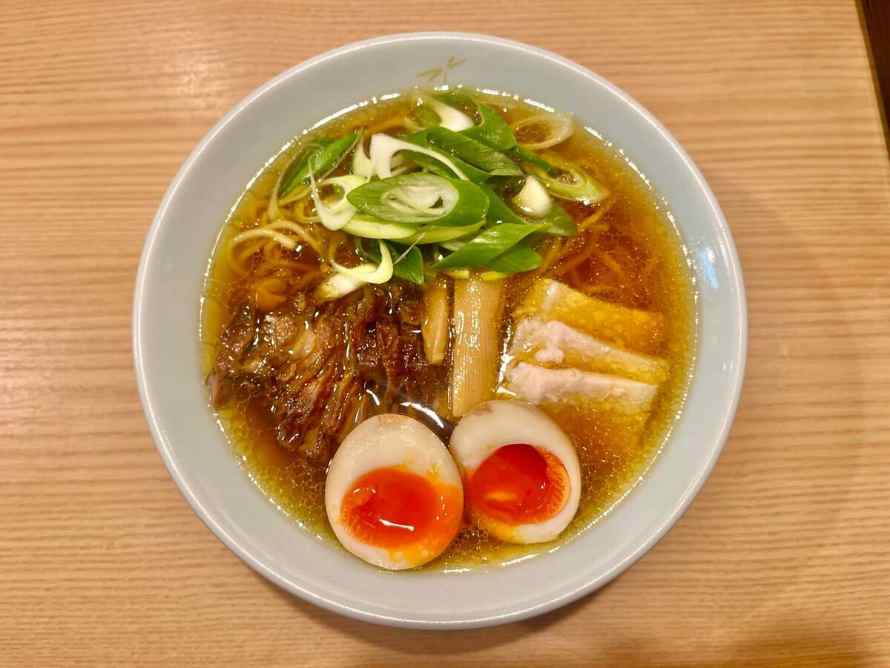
x=553 y=343
x=542 y=385
x=622 y=326
x=610 y=410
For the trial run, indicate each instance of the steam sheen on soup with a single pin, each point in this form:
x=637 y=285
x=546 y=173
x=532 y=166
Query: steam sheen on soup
x=447 y=329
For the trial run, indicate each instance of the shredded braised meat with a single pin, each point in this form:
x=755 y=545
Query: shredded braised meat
x=317 y=372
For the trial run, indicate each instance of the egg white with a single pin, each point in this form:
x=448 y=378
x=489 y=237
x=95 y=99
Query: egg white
x=386 y=441
x=494 y=424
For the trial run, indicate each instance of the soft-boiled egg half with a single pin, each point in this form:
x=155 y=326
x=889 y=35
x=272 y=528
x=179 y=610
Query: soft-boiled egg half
x=393 y=494
x=521 y=475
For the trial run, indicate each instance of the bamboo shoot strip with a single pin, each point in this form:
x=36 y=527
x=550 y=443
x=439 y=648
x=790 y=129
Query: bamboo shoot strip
x=435 y=320
x=477 y=321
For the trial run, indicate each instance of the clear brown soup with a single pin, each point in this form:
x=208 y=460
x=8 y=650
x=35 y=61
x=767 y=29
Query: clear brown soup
x=628 y=252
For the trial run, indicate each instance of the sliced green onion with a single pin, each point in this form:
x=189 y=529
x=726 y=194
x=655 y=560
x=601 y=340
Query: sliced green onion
x=369 y=227
x=430 y=165
x=474 y=174
x=482 y=249
x=449 y=117
x=384 y=147
x=367 y=272
x=459 y=98
x=558 y=222
x=336 y=215
x=407 y=265
x=472 y=151
x=336 y=286
x=571 y=182
x=533 y=199
x=492 y=129
x=523 y=155
x=421 y=199
x=361 y=163
x=556 y=129
x=454 y=245
x=421 y=117
x=519 y=258
x=433 y=234
x=498 y=210
x=286 y=183
x=348 y=182
x=319 y=159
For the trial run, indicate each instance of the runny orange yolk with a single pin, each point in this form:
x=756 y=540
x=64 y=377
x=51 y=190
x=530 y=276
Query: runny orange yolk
x=394 y=508
x=519 y=484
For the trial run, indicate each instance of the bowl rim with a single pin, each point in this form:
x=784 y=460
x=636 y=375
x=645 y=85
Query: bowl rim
x=245 y=553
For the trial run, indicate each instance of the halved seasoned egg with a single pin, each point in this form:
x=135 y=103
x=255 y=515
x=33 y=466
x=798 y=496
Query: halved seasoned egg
x=393 y=494
x=521 y=475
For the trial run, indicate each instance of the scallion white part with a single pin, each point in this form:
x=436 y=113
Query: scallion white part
x=449 y=117
x=558 y=128
x=533 y=199
x=384 y=147
x=367 y=272
x=337 y=285
x=336 y=215
x=361 y=163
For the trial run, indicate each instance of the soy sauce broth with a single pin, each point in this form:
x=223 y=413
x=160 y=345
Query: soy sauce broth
x=631 y=254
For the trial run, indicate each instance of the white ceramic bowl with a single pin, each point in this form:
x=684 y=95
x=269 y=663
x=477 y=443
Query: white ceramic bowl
x=165 y=323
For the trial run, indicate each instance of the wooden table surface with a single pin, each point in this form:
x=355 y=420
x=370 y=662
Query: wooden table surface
x=784 y=557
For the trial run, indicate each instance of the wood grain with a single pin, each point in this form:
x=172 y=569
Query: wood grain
x=784 y=558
